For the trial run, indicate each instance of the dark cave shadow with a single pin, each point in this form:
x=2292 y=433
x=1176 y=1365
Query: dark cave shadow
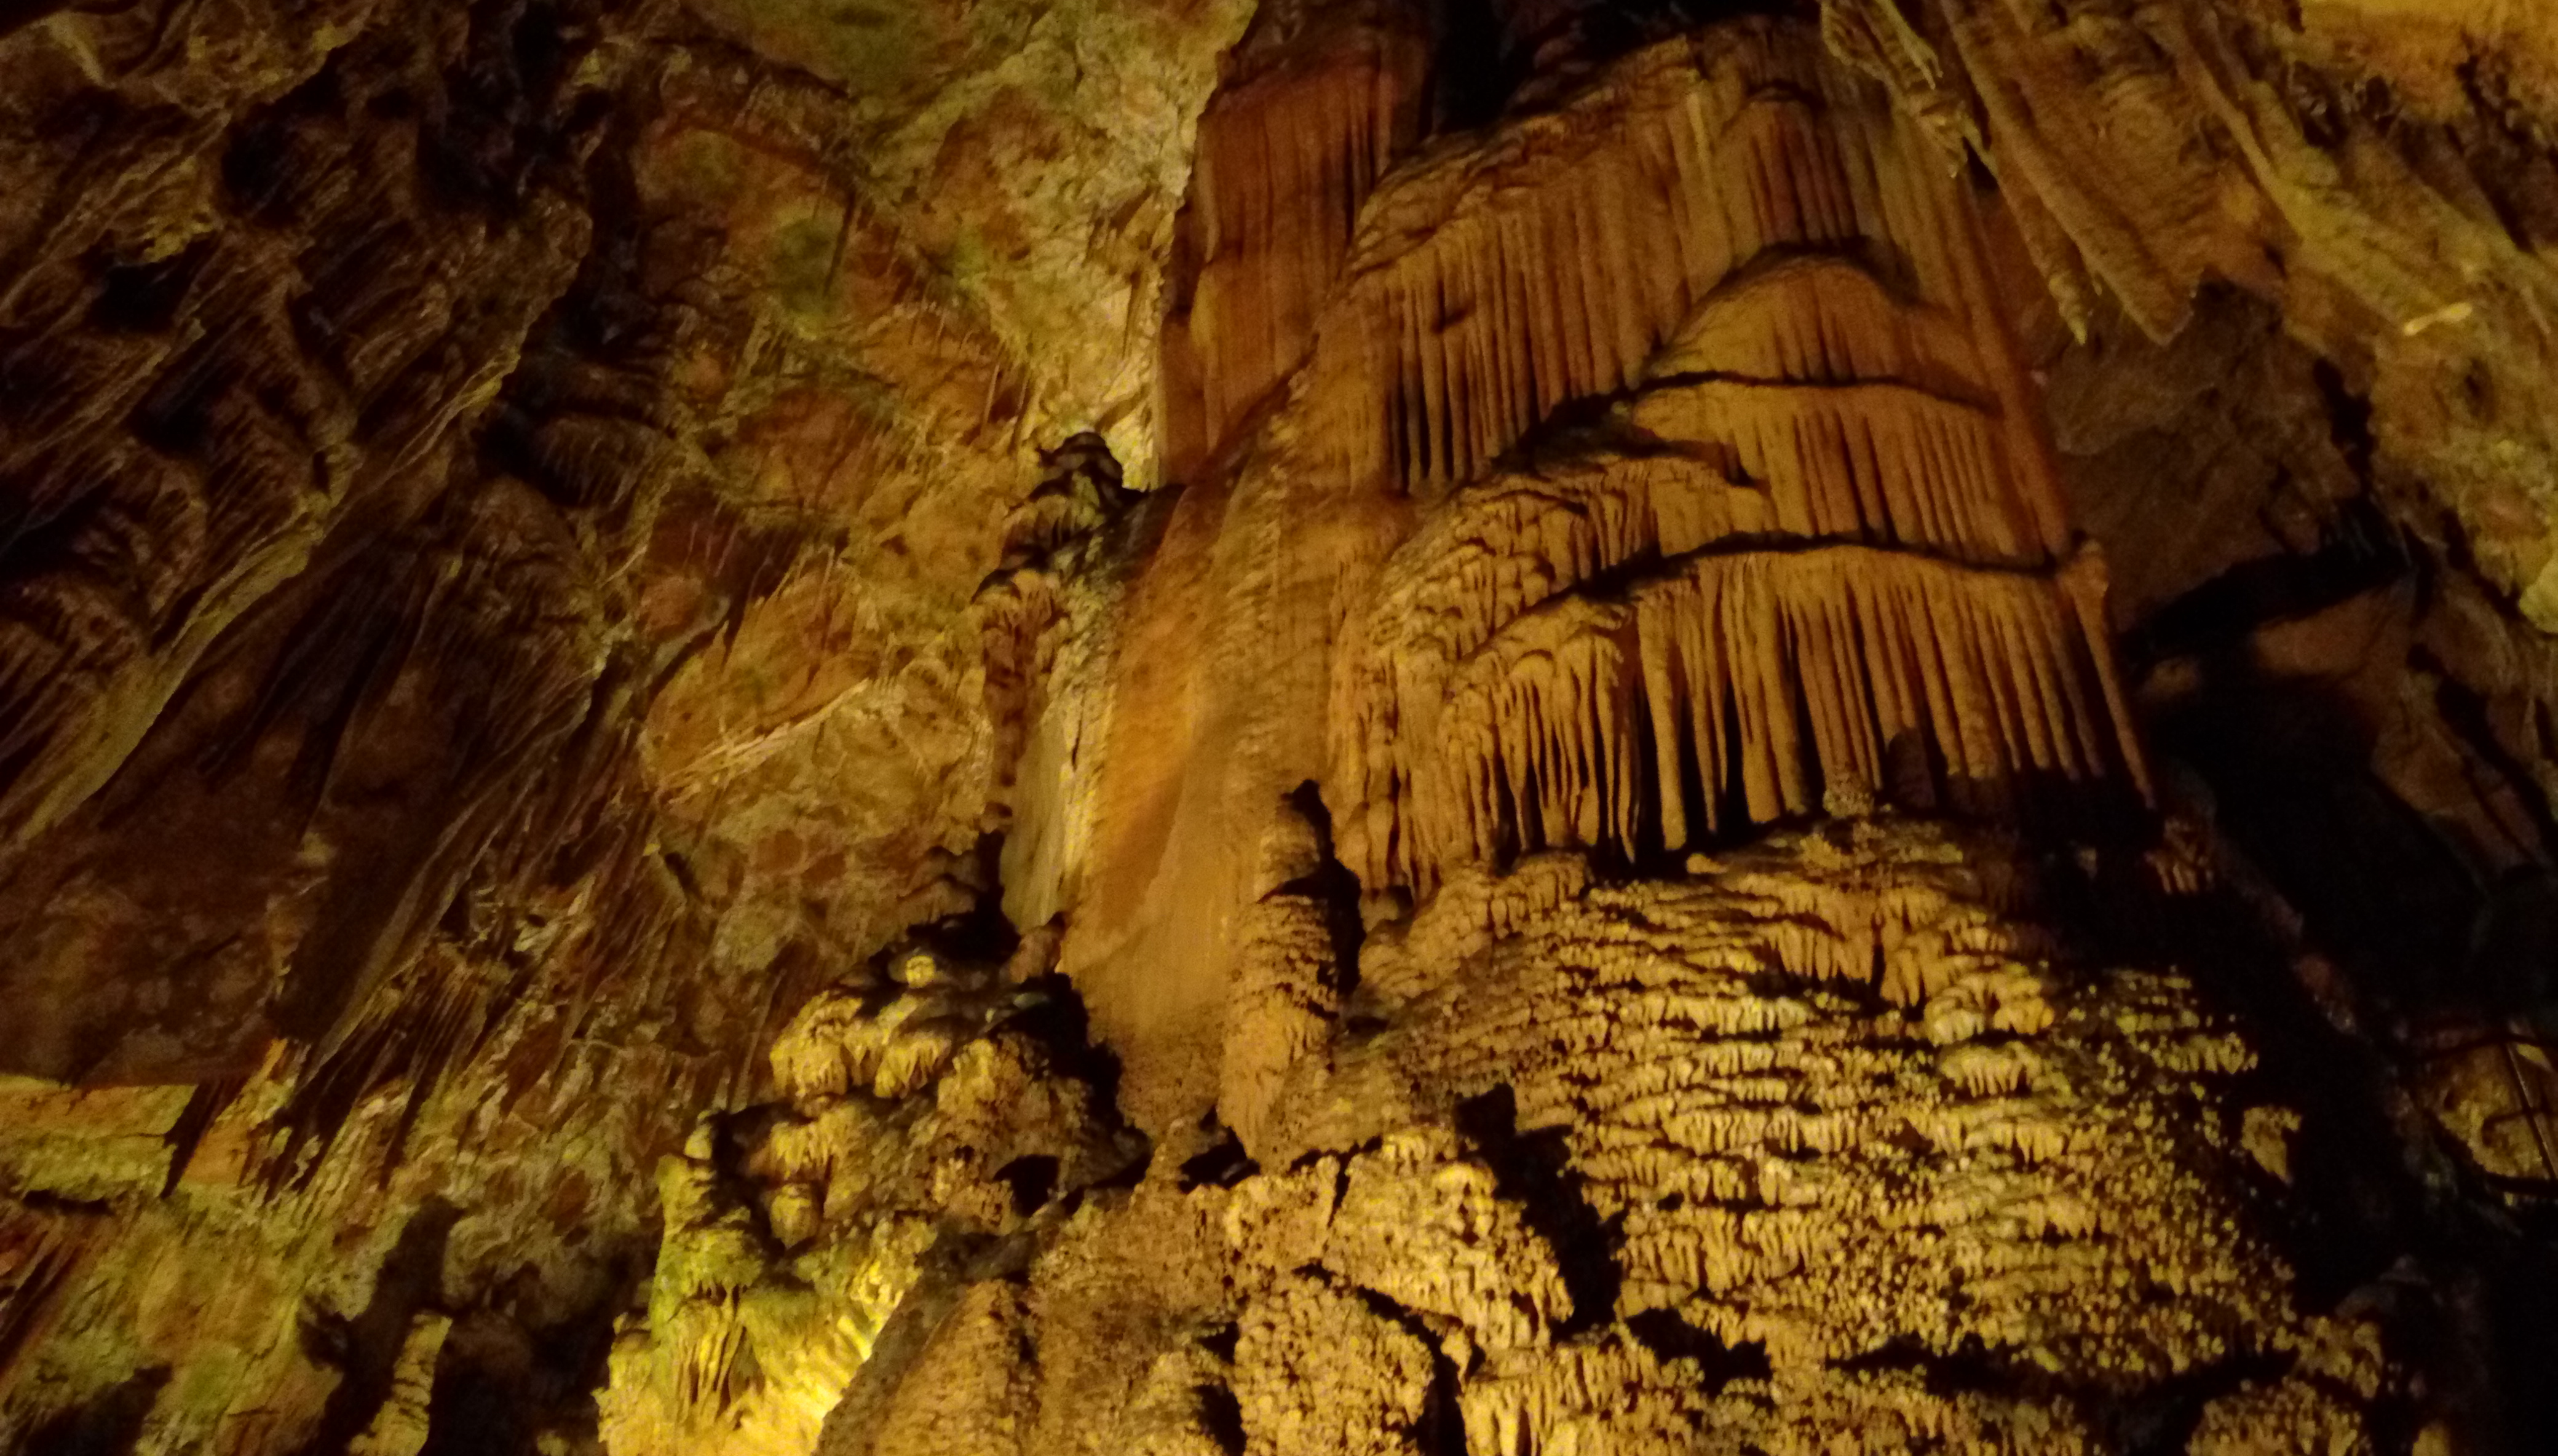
x=105 y=1424
x=1534 y=1171
x=2379 y=889
x=366 y=1347
x=2422 y=935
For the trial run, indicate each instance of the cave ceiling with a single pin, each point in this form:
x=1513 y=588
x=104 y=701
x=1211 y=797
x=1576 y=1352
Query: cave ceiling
x=1340 y=725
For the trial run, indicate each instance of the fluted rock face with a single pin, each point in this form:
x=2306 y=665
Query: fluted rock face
x=1317 y=103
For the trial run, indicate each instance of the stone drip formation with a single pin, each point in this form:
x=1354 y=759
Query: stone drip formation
x=1534 y=819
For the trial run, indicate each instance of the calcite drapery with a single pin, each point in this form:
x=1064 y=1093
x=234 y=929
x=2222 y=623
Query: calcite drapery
x=1658 y=465
x=1317 y=103
x=1655 y=471
x=1820 y=534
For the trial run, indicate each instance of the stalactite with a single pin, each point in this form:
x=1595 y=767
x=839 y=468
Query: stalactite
x=1493 y=284
x=1809 y=561
x=42 y=1251
x=1733 y=689
x=1866 y=664
x=1286 y=158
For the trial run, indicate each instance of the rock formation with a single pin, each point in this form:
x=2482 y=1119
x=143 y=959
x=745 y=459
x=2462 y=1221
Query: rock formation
x=1523 y=726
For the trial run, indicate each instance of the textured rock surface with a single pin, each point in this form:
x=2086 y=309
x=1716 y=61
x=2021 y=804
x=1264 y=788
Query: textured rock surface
x=491 y=499
x=1696 y=726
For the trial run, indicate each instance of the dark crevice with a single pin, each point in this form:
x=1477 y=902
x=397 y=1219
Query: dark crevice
x=1032 y=1178
x=106 y=1424
x=1440 y=1429
x=514 y=1381
x=1583 y=37
x=1534 y=1171
x=1471 y=78
x=2160 y=1420
x=2348 y=418
x=498 y=125
x=365 y=1348
x=2359 y=552
x=144 y=297
x=1056 y=1018
x=1335 y=887
x=1223 y=1415
x=206 y=1104
x=1224 y=1164
x=1669 y=1337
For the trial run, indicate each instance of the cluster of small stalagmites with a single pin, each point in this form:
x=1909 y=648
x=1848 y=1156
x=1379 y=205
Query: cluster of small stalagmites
x=737 y=1344
x=907 y=1108
x=1839 y=1122
x=1812 y=562
x=1321 y=1307
x=925 y=1099
x=1317 y=1368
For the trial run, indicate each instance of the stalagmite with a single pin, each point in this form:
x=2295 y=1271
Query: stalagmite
x=1666 y=486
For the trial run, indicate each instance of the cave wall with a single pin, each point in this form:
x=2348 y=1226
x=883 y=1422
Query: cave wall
x=492 y=495
x=1573 y=684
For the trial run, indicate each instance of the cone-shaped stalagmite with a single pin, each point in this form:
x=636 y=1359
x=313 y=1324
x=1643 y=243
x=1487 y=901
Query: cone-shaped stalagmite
x=1644 y=470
